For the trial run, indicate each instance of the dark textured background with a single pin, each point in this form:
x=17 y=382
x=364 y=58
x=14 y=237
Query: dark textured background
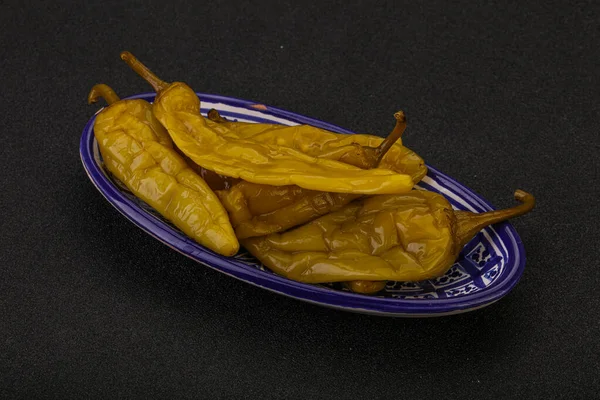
x=500 y=95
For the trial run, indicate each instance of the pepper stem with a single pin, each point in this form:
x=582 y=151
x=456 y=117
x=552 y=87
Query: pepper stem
x=393 y=137
x=143 y=71
x=104 y=91
x=468 y=223
x=215 y=116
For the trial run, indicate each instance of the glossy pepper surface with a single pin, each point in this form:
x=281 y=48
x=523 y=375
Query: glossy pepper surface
x=177 y=107
x=410 y=237
x=361 y=150
x=257 y=210
x=138 y=151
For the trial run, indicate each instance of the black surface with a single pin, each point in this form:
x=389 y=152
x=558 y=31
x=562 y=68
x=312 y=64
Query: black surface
x=499 y=95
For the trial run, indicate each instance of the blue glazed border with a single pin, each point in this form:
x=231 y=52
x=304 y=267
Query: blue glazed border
x=514 y=259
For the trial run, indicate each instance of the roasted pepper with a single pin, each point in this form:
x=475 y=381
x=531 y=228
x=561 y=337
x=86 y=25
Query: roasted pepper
x=409 y=237
x=258 y=210
x=216 y=148
x=138 y=151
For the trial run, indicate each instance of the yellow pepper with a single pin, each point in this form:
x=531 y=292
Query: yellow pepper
x=258 y=210
x=220 y=150
x=361 y=150
x=138 y=151
x=410 y=237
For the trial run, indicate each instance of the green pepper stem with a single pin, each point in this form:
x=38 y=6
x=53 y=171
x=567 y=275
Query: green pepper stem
x=104 y=91
x=468 y=223
x=392 y=138
x=143 y=71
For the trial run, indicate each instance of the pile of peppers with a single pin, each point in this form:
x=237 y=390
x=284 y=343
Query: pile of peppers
x=312 y=205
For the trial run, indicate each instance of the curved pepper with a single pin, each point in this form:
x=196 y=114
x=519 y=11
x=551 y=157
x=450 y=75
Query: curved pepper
x=410 y=237
x=258 y=210
x=361 y=150
x=138 y=151
x=177 y=107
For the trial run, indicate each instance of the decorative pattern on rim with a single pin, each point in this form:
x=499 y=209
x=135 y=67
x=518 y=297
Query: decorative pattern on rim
x=487 y=268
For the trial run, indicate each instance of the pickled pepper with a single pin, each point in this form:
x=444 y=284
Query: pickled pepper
x=361 y=150
x=138 y=151
x=409 y=237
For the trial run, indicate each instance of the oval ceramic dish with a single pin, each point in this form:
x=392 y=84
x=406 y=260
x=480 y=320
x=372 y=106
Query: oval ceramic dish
x=489 y=266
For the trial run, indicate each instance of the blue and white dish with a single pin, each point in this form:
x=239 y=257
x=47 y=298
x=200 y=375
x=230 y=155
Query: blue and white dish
x=489 y=266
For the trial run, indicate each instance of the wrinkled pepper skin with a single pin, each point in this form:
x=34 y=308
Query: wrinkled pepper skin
x=410 y=237
x=321 y=143
x=177 y=107
x=258 y=210
x=262 y=163
x=214 y=180
x=138 y=151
